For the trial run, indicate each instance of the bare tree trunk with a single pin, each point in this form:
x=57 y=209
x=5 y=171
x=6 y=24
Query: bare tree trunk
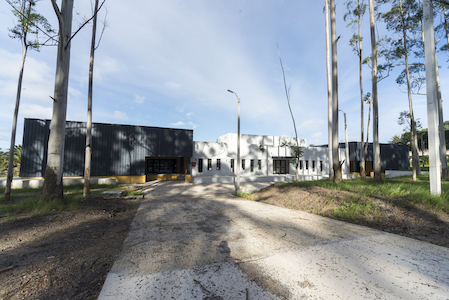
x=432 y=109
x=376 y=146
x=53 y=185
x=335 y=158
x=87 y=162
x=362 y=153
x=329 y=92
x=14 y=126
x=444 y=170
x=367 y=129
x=413 y=137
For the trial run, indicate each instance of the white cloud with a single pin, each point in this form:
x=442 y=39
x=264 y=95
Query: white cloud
x=189 y=114
x=192 y=125
x=118 y=115
x=178 y=124
x=139 y=99
x=316 y=135
x=35 y=111
x=310 y=124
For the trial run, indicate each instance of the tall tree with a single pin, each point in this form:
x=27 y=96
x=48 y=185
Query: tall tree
x=88 y=154
x=26 y=30
x=335 y=150
x=377 y=165
x=296 y=150
x=400 y=19
x=432 y=111
x=329 y=91
x=53 y=185
x=355 y=13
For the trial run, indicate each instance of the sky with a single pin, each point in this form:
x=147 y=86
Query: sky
x=170 y=63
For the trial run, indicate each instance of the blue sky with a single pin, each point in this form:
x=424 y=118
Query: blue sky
x=170 y=64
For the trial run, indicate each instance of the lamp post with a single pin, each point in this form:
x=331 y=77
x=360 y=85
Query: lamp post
x=346 y=143
x=237 y=184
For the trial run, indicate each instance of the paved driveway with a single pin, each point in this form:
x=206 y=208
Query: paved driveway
x=199 y=242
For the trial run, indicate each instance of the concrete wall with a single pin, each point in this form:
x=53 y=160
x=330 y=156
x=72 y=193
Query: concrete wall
x=312 y=158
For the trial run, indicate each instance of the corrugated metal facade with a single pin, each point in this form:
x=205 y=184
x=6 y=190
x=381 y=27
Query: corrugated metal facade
x=117 y=150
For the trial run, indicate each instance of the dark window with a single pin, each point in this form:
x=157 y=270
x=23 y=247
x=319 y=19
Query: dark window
x=300 y=165
x=259 y=163
x=252 y=165
x=158 y=166
x=243 y=164
x=321 y=166
x=232 y=165
x=280 y=167
x=313 y=165
x=209 y=164
x=307 y=164
x=200 y=165
x=218 y=164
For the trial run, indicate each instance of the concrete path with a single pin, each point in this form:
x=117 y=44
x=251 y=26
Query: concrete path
x=199 y=242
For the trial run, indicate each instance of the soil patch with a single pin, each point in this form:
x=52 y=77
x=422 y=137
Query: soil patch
x=397 y=216
x=65 y=255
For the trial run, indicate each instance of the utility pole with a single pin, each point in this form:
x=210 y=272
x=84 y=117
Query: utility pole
x=237 y=184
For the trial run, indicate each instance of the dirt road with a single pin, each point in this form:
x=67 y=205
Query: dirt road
x=199 y=242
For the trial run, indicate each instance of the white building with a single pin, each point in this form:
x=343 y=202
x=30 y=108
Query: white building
x=263 y=158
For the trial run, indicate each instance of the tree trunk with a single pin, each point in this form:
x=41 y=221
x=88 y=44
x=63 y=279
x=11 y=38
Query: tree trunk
x=444 y=170
x=362 y=146
x=367 y=129
x=413 y=135
x=432 y=109
x=329 y=92
x=88 y=157
x=376 y=146
x=53 y=185
x=14 y=126
x=335 y=158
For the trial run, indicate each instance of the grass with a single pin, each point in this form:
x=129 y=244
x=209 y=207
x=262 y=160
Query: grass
x=403 y=188
x=27 y=200
x=247 y=195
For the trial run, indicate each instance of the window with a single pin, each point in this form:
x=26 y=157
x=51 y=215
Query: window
x=200 y=165
x=252 y=165
x=313 y=165
x=209 y=164
x=300 y=165
x=321 y=166
x=243 y=164
x=307 y=164
x=259 y=164
x=218 y=164
x=159 y=166
x=280 y=167
x=232 y=165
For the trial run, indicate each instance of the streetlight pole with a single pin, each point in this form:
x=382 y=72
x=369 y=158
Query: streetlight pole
x=346 y=143
x=237 y=184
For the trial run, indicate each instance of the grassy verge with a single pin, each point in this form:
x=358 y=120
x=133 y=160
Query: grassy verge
x=26 y=201
x=403 y=188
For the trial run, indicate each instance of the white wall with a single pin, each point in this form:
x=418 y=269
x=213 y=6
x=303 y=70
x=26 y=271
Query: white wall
x=226 y=149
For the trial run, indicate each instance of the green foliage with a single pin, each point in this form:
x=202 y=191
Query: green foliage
x=247 y=195
x=28 y=22
x=296 y=152
x=4 y=158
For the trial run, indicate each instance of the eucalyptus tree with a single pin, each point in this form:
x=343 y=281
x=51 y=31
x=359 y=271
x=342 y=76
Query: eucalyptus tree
x=88 y=154
x=355 y=12
x=29 y=23
x=376 y=146
x=334 y=39
x=53 y=185
x=402 y=19
x=329 y=91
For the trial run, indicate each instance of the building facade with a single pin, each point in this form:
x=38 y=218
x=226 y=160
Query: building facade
x=130 y=154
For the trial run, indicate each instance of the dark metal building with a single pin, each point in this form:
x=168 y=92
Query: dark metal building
x=392 y=157
x=146 y=153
